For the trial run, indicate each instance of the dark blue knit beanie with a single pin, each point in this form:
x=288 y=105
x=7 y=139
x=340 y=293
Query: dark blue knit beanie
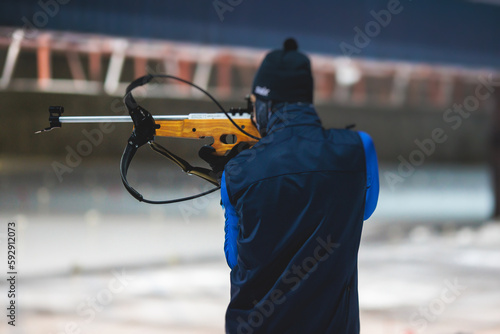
x=284 y=76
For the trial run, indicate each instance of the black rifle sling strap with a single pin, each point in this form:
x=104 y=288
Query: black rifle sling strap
x=144 y=131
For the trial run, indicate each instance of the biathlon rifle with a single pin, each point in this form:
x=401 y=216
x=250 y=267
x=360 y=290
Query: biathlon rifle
x=226 y=131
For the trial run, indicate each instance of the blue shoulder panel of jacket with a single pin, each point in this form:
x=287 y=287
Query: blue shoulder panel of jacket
x=372 y=179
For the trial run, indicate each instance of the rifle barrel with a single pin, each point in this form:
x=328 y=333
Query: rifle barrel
x=115 y=119
x=127 y=119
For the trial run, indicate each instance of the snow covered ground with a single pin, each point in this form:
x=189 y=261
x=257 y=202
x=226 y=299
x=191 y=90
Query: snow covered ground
x=93 y=260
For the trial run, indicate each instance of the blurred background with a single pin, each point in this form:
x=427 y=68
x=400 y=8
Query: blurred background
x=421 y=77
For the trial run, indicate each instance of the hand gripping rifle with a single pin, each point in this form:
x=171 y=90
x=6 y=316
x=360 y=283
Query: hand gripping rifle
x=226 y=131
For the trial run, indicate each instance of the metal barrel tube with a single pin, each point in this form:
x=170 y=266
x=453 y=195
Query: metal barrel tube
x=115 y=119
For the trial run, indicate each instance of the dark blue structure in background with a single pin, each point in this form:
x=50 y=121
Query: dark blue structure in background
x=444 y=31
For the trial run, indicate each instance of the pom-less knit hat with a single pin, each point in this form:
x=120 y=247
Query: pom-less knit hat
x=284 y=76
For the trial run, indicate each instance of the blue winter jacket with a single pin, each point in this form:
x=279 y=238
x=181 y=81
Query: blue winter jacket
x=294 y=206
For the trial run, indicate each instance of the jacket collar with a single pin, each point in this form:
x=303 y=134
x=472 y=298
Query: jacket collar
x=292 y=114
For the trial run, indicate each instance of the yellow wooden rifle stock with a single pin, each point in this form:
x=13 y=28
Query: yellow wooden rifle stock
x=224 y=133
